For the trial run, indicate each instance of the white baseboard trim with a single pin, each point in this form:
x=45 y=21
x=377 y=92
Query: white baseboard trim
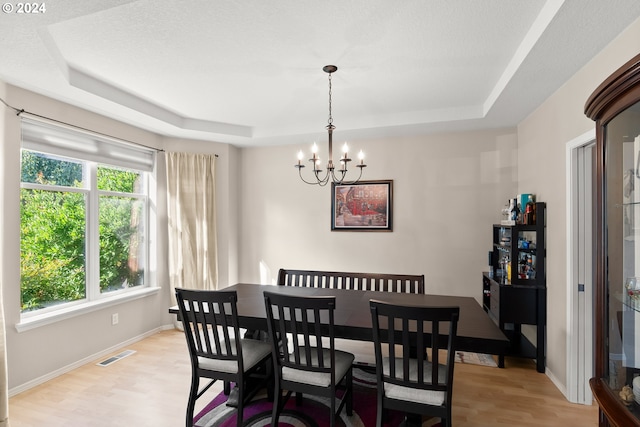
x=563 y=389
x=559 y=385
x=89 y=359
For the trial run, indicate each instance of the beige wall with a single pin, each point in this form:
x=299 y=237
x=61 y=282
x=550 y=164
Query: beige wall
x=542 y=138
x=42 y=352
x=447 y=191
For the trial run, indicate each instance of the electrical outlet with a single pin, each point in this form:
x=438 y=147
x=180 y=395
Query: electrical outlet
x=114 y=319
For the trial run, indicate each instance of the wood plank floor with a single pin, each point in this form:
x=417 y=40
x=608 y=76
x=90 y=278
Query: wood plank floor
x=150 y=387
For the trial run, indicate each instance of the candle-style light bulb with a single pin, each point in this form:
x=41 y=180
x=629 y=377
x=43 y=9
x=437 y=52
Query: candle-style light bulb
x=300 y=156
x=345 y=149
x=314 y=148
x=361 y=157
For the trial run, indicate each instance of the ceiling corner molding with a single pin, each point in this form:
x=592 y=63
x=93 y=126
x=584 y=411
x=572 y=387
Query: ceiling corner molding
x=89 y=83
x=217 y=127
x=542 y=21
x=52 y=47
x=85 y=81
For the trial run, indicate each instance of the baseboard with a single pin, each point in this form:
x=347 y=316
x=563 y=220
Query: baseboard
x=41 y=380
x=559 y=385
x=564 y=389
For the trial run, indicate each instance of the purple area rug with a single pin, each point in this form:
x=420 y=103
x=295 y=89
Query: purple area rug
x=314 y=412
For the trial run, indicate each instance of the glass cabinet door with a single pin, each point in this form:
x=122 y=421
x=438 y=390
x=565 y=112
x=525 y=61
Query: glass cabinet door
x=615 y=107
x=622 y=230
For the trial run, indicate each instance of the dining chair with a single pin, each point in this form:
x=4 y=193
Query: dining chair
x=407 y=380
x=210 y=320
x=311 y=366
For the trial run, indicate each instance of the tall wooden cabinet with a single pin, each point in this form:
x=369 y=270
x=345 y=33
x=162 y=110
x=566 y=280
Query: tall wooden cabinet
x=515 y=293
x=615 y=106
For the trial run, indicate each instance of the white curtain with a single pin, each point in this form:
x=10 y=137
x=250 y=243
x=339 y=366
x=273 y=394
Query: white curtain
x=4 y=386
x=193 y=257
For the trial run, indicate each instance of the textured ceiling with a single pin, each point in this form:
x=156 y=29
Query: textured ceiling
x=250 y=72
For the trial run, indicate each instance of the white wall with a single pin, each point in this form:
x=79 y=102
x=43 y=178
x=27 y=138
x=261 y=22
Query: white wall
x=541 y=170
x=447 y=191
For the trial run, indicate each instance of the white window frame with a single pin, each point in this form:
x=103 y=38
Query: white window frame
x=93 y=149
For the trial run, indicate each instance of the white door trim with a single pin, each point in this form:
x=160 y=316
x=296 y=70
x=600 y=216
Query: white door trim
x=579 y=330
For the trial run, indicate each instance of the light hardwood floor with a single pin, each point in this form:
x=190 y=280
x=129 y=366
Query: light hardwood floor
x=150 y=387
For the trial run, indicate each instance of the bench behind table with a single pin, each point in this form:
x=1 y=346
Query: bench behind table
x=413 y=284
x=403 y=283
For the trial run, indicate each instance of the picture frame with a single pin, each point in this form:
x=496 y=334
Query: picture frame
x=362 y=206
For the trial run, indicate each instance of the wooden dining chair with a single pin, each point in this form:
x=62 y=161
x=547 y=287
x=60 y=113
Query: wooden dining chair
x=407 y=380
x=210 y=320
x=311 y=366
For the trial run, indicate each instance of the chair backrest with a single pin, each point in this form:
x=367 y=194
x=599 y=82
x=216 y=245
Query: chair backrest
x=409 y=331
x=210 y=321
x=301 y=322
x=403 y=283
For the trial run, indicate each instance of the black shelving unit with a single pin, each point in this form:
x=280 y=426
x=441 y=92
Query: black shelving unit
x=521 y=297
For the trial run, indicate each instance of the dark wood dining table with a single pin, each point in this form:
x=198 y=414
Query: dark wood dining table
x=476 y=331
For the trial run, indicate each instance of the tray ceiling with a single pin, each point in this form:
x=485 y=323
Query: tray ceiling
x=250 y=73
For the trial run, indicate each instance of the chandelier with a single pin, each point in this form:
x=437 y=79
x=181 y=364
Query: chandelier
x=332 y=174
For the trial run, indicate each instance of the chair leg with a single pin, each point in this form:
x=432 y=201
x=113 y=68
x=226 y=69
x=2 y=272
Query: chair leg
x=191 y=403
x=379 y=411
x=332 y=406
x=446 y=421
x=270 y=381
x=350 y=392
x=275 y=412
x=227 y=388
x=298 y=399
x=241 y=391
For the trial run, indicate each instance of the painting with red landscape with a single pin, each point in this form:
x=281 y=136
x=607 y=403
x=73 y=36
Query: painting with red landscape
x=362 y=206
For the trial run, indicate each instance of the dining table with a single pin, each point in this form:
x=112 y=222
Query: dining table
x=352 y=316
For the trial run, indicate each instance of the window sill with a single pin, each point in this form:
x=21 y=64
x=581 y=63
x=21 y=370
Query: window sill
x=37 y=321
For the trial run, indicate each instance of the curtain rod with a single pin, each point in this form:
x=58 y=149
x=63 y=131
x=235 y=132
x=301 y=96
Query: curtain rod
x=22 y=110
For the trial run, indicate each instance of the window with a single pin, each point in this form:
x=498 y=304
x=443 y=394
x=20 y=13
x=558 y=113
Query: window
x=84 y=217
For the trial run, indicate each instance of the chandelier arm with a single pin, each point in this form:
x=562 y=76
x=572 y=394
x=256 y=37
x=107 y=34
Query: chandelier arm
x=343 y=182
x=338 y=180
x=320 y=182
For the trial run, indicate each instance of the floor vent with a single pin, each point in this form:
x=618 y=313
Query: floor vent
x=114 y=359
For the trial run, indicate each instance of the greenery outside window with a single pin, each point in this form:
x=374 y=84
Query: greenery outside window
x=84 y=217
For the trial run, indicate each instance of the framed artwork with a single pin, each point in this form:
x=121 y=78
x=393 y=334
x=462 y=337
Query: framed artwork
x=363 y=206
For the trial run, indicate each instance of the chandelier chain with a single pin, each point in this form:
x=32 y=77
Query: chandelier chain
x=330 y=117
